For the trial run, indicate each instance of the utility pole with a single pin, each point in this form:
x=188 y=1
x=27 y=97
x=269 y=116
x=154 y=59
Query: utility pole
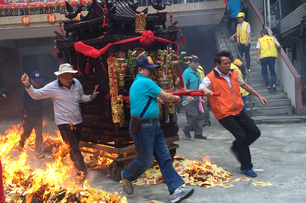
x=280 y=9
x=265 y=11
x=269 y=13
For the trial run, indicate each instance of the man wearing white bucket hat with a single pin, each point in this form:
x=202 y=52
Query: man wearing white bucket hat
x=66 y=93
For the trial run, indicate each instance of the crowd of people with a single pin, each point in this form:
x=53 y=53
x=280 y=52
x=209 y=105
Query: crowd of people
x=227 y=78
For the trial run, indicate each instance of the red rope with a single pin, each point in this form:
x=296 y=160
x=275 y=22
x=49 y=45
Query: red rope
x=146 y=38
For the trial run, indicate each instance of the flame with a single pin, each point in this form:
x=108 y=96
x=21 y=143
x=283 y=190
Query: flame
x=53 y=178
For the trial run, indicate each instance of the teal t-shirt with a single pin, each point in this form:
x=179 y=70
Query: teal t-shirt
x=191 y=80
x=141 y=90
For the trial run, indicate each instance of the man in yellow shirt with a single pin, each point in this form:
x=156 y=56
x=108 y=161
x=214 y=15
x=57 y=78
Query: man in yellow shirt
x=243 y=34
x=266 y=55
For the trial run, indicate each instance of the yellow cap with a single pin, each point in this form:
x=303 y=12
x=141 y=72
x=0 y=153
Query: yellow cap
x=241 y=14
x=237 y=62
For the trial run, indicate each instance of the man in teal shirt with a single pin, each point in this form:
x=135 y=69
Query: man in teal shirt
x=150 y=141
x=192 y=80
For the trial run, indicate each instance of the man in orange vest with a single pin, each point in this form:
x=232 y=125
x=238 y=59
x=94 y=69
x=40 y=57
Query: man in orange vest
x=243 y=34
x=266 y=55
x=228 y=108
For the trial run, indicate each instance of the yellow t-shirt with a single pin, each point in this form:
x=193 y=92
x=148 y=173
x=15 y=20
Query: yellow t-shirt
x=242 y=91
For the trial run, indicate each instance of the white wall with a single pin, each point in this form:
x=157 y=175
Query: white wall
x=289 y=78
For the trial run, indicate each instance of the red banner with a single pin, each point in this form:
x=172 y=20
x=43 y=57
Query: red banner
x=39 y=4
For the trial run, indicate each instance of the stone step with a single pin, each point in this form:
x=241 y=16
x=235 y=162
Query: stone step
x=253 y=51
x=258 y=85
x=269 y=111
x=271 y=103
x=255 y=80
x=254 y=62
x=270 y=96
x=278 y=119
x=223 y=39
x=261 y=90
x=220 y=35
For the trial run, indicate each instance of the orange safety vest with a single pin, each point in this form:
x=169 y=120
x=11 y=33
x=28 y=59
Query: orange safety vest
x=267 y=47
x=229 y=103
x=242 y=36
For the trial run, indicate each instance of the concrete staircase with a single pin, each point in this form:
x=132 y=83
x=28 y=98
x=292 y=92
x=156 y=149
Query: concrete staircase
x=279 y=108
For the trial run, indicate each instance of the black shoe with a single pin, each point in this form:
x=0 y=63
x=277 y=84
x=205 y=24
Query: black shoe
x=233 y=151
x=200 y=137
x=187 y=134
x=250 y=173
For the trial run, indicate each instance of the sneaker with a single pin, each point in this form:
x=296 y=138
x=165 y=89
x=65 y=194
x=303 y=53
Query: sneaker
x=268 y=87
x=200 y=137
x=187 y=134
x=181 y=193
x=127 y=185
x=250 y=173
x=233 y=151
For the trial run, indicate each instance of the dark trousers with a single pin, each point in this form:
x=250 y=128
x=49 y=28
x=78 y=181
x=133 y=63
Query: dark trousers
x=28 y=124
x=71 y=135
x=246 y=50
x=246 y=132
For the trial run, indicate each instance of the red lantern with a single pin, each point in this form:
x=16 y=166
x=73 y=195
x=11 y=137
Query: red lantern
x=51 y=18
x=25 y=20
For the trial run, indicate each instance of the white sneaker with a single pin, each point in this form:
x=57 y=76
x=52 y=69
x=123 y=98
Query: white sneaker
x=180 y=194
x=127 y=185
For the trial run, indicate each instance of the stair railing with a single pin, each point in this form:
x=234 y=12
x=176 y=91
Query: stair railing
x=233 y=44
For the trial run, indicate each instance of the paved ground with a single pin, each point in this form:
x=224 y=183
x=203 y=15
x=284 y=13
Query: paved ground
x=279 y=152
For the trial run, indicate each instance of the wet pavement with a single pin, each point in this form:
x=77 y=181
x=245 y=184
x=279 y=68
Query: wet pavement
x=279 y=155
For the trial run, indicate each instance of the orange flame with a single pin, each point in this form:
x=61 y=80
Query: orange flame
x=40 y=183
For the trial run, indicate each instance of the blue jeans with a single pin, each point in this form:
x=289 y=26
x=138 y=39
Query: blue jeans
x=150 y=142
x=265 y=62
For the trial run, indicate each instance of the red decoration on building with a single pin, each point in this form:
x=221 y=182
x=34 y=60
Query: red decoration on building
x=25 y=20
x=51 y=18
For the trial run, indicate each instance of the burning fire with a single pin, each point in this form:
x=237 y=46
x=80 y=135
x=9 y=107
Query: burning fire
x=56 y=181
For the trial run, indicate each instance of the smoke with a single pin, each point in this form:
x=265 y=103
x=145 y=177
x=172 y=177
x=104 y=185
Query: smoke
x=200 y=42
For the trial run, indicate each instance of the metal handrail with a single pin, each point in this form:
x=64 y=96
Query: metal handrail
x=248 y=73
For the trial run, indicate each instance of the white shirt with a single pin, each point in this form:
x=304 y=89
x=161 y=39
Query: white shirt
x=275 y=41
x=248 y=28
x=207 y=84
x=66 y=102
